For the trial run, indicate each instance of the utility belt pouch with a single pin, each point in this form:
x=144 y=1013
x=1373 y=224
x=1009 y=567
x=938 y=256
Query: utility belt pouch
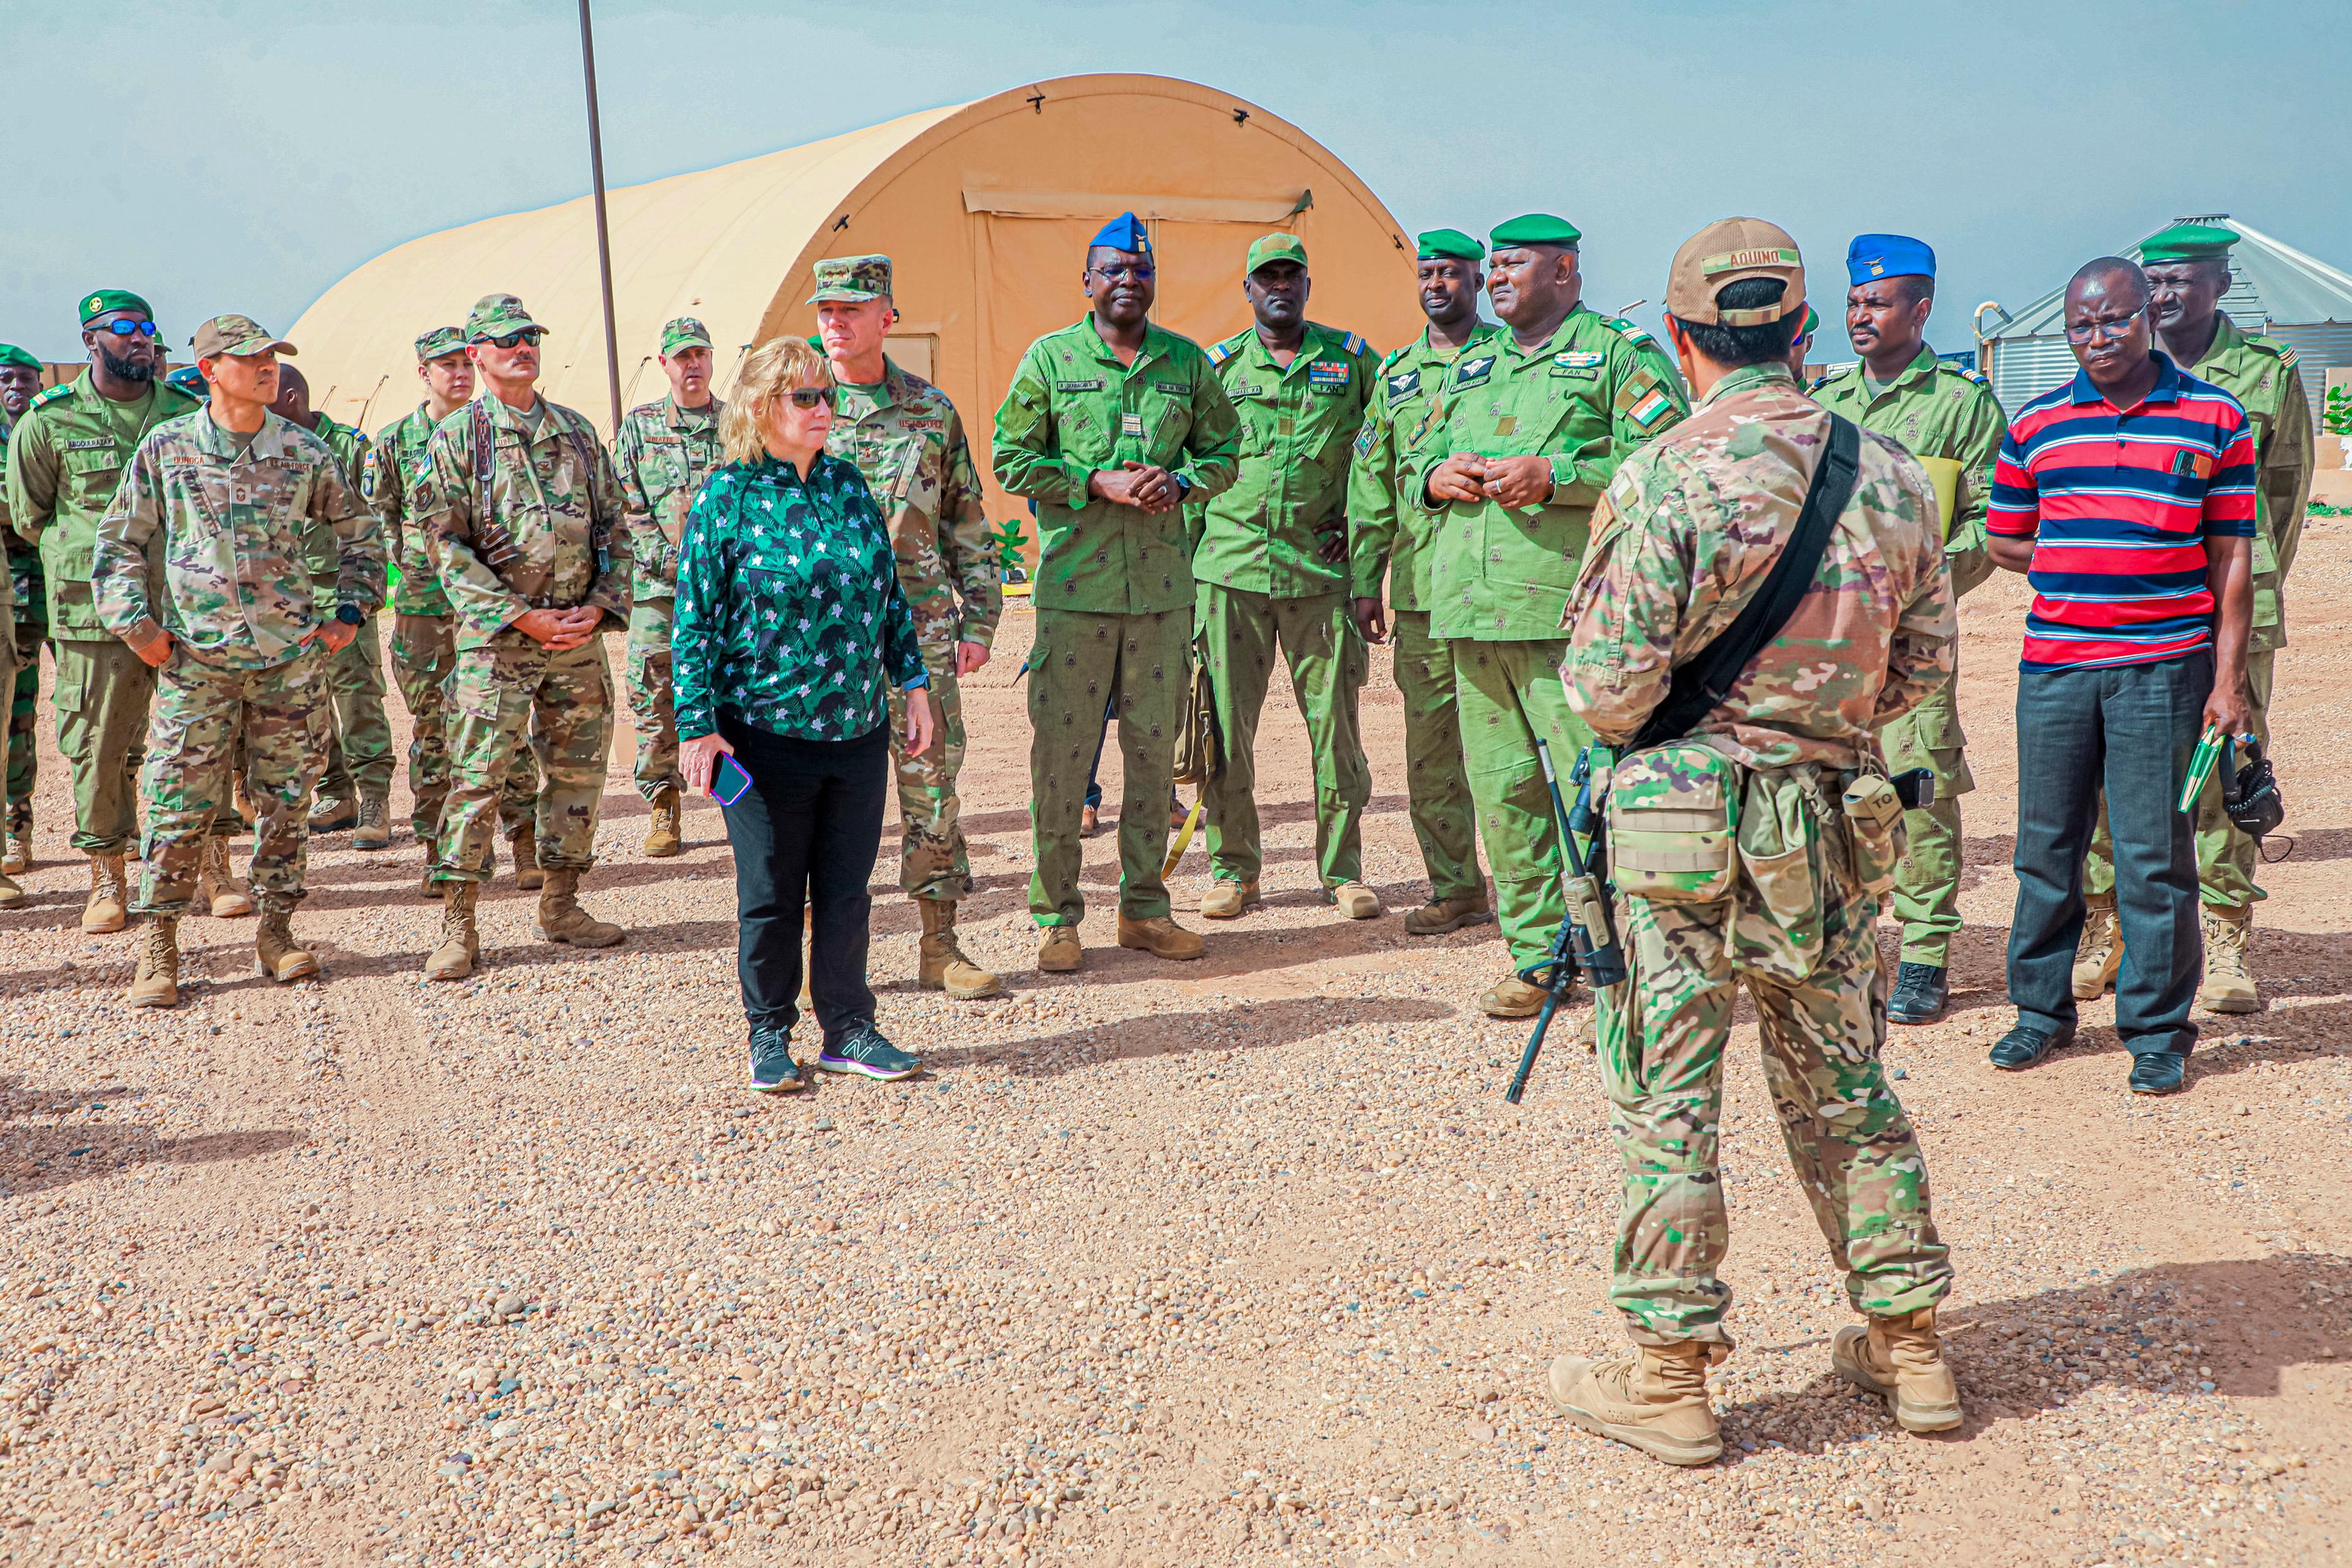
x=1673 y=811
x=1873 y=825
x=1781 y=917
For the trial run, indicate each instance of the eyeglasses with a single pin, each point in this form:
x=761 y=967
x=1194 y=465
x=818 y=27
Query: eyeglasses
x=1138 y=272
x=528 y=335
x=808 y=397
x=126 y=329
x=2114 y=331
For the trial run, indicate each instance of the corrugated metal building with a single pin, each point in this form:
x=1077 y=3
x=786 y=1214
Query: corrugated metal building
x=2274 y=289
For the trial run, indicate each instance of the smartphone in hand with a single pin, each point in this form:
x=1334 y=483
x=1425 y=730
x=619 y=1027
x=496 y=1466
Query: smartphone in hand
x=727 y=780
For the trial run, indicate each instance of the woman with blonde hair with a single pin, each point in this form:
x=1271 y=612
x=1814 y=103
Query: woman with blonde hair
x=790 y=630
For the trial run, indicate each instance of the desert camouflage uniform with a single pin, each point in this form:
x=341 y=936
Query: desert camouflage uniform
x=359 y=740
x=662 y=457
x=908 y=442
x=236 y=527
x=556 y=506
x=1683 y=539
x=26 y=628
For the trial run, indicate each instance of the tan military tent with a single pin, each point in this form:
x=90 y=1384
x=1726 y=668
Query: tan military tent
x=986 y=209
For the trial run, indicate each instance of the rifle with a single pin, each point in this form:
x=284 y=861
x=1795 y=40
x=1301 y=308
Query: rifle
x=1586 y=939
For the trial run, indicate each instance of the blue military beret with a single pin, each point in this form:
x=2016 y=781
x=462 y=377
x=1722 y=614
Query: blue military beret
x=1125 y=232
x=1875 y=256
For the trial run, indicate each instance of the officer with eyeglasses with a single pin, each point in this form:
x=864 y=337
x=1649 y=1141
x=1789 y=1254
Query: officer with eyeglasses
x=66 y=459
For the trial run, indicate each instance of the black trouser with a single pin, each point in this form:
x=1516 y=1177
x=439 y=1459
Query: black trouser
x=2130 y=728
x=808 y=830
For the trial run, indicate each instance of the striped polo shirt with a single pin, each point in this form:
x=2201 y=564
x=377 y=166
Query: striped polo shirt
x=2119 y=503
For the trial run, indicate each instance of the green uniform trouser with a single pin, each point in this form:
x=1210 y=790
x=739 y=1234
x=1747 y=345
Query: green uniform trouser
x=1140 y=665
x=653 y=704
x=201 y=714
x=1240 y=632
x=1927 y=882
x=1509 y=695
x=424 y=652
x=24 y=706
x=2225 y=857
x=359 y=742
x=933 y=860
x=1437 y=790
x=1660 y=1038
x=501 y=693
x=102 y=694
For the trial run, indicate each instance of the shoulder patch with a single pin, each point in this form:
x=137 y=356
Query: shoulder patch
x=1219 y=352
x=1471 y=369
x=1355 y=343
x=2286 y=353
x=1393 y=355
x=1631 y=333
x=1963 y=372
x=57 y=393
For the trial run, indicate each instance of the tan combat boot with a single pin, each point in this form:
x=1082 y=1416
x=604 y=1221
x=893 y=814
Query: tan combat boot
x=240 y=801
x=1159 y=936
x=1901 y=1359
x=333 y=813
x=524 y=843
x=663 y=838
x=1356 y=901
x=1653 y=1399
x=373 y=830
x=461 y=946
x=561 y=918
x=944 y=966
x=1228 y=899
x=11 y=895
x=1059 y=951
x=429 y=885
x=18 y=858
x=109 y=896
x=1439 y=916
x=1512 y=997
x=156 y=982
x=276 y=955
x=217 y=888
x=2099 y=951
x=2229 y=983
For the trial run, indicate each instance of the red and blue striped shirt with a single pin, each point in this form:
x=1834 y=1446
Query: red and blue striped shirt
x=2119 y=503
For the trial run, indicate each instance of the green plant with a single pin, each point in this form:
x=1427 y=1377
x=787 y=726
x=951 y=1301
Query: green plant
x=1008 y=538
x=2337 y=418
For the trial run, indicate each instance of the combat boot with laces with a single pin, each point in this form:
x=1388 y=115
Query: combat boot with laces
x=1902 y=1361
x=2229 y=983
x=1653 y=1399
x=276 y=954
x=156 y=982
x=942 y=964
x=561 y=918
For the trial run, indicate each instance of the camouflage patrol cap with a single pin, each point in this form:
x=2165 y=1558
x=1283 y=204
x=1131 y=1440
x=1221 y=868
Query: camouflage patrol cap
x=496 y=315
x=438 y=342
x=686 y=333
x=11 y=354
x=238 y=335
x=1726 y=252
x=852 y=278
x=1275 y=247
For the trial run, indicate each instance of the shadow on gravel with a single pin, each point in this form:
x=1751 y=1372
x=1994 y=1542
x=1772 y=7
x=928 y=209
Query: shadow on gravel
x=38 y=1158
x=1267 y=1024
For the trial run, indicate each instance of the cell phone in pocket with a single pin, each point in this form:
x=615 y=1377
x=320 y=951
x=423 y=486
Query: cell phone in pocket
x=729 y=781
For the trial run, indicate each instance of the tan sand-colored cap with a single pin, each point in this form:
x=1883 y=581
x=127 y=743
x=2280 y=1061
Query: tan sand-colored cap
x=1726 y=252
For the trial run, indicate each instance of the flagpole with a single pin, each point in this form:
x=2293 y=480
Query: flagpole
x=603 y=232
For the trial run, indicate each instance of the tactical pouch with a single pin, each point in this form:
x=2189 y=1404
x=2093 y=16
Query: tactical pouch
x=1781 y=915
x=1874 y=823
x=1198 y=756
x=1671 y=817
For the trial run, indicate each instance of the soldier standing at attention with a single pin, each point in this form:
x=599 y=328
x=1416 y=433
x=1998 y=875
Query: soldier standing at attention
x=239 y=499
x=663 y=454
x=1392 y=538
x=1948 y=418
x=2187 y=271
x=1270 y=557
x=1687 y=535
x=1111 y=425
x=66 y=457
x=905 y=438
x=27 y=629
x=526 y=527
x=1527 y=431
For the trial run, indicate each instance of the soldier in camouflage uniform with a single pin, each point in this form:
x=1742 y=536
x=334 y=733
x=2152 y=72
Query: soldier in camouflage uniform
x=66 y=458
x=26 y=628
x=1391 y=534
x=527 y=529
x=232 y=499
x=907 y=439
x=663 y=454
x=1946 y=416
x=1270 y=558
x=1685 y=535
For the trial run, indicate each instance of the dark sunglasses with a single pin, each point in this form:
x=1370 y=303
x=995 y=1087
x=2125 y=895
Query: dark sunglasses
x=126 y=329
x=528 y=335
x=807 y=397
x=1140 y=273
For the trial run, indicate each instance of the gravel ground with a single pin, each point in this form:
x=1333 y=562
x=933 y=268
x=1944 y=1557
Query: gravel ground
x=1243 y=1261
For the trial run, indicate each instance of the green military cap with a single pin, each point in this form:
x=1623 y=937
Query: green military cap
x=1441 y=244
x=1275 y=247
x=437 y=343
x=2188 y=242
x=99 y=301
x=1812 y=322
x=190 y=380
x=11 y=354
x=496 y=315
x=686 y=333
x=1536 y=228
x=238 y=335
x=852 y=278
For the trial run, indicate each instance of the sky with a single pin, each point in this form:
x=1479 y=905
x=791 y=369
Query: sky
x=269 y=148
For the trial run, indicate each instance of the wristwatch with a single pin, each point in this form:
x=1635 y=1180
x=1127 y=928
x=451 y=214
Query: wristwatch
x=349 y=615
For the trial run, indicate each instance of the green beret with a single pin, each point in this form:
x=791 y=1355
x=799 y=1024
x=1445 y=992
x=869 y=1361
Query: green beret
x=1445 y=244
x=99 y=301
x=1812 y=322
x=2186 y=242
x=11 y=354
x=438 y=344
x=1535 y=228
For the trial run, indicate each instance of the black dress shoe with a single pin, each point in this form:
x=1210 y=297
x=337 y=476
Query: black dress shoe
x=2026 y=1045
x=2158 y=1072
x=1921 y=993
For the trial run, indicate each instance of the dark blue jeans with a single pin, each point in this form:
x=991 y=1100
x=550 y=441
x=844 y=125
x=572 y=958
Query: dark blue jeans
x=2130 y=729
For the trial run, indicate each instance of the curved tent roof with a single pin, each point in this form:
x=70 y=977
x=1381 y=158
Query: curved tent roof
x=986 y=209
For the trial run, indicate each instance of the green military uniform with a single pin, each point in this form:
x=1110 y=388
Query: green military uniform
x=1584 y=398
x=359 y=740
x=1264 y=585
x=1392 y=533
x=662 y=456
x=28 y=628
x=66 y=457
x=1113 y=589
x=1934 y=410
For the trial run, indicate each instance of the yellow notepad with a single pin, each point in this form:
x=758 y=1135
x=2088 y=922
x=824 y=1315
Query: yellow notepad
x=1944 y=474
